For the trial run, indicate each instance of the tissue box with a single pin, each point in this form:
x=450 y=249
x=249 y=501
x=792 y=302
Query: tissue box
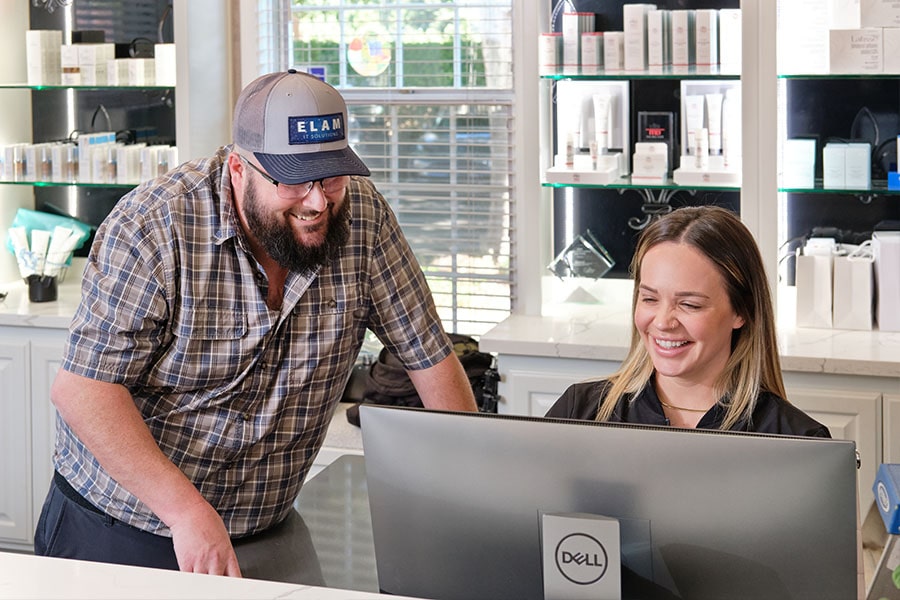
x=887 y=496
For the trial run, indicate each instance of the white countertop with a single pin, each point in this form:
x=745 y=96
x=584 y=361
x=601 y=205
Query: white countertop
x=24 y=576
x=603 y=332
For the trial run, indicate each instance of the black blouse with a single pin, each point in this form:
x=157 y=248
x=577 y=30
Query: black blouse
x=771 y=414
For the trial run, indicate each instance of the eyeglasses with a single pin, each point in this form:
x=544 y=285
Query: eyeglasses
x=298 y=191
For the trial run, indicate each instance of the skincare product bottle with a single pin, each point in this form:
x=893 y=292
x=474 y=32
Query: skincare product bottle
x=701 y=149
x=570 y=150
x=693 y=106
x=714 y=122
x=601 y=120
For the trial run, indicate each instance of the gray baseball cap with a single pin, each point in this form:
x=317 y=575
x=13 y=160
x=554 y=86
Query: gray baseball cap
x=296 y=126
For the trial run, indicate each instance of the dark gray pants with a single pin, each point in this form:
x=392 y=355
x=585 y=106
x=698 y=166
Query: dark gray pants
x=71 y=529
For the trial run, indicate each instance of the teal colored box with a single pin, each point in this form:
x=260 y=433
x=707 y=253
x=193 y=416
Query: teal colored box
x=893 y=180
x=887 y=496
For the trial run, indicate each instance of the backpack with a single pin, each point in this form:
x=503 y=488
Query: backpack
x=387 y=383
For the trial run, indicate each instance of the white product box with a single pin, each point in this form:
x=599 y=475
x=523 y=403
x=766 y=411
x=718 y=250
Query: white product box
x=635 y=29
x=682 y=38
x=855 y=51
x=659 y=43
x=573 y=25
x=591 y=52
x=614 y=50
x=65 y=162
x=117 y=71
x=87 y=142
x=833 y=155
x=550 y=51
x=42 y=52
x=14 y=162
x=650 y=162
x=164 y=56
x=858 y=166
x=141 y=71
x=70 y=73
x=730 y=56
x=798 y=163
x=706 y=31
x=890 y=40
x=843 y=14
x=93 y=60
x=128 y=163
x=879 y=13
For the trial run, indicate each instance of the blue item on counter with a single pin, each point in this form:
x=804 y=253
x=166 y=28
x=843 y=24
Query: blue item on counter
x=35 y=219
x=893 y=180
x=887 y=496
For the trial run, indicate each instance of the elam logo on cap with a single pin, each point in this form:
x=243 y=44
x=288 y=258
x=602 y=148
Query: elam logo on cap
x=319 y=129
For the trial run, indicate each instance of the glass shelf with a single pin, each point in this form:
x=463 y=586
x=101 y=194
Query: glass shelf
x=663 y=73
x=625 y=183
x=126 y=186
x=838 y=76
x=25 y=86
x=878 y=187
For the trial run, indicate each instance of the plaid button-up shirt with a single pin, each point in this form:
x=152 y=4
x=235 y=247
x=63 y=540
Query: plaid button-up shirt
x=238 y=396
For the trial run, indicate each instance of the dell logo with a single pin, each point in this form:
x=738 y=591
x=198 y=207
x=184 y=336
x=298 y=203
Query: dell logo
x=581 y=558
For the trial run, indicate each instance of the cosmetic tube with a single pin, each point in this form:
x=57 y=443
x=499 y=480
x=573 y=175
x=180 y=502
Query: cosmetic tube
x=701 y=149
x=731 y=128
x=714 y=125
x=570 y=150
x=693 y=106
x=586 y=122
x=601 y=121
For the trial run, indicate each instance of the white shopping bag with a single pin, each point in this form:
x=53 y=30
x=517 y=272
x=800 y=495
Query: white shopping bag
x=853 y=302
x=886 y=248
x=814 y=290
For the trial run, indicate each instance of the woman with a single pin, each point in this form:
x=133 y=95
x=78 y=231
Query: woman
x=703 y=350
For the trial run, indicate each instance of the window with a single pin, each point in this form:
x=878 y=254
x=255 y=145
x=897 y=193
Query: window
x=429 y=90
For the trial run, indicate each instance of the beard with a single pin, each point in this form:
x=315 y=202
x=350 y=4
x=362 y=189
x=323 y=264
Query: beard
x=277 y=237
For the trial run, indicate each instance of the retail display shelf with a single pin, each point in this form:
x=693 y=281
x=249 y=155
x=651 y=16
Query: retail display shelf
x=662 y=73
x=847 y=76
x=26 y=86
x=626 y=183
x=70 y=183
x=877 y=187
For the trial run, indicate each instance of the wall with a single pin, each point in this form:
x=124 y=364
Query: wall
x=15 y=121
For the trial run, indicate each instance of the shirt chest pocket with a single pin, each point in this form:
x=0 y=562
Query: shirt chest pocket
x=209 y=347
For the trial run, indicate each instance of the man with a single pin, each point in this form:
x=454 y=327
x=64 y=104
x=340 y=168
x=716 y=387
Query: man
x=223 y=306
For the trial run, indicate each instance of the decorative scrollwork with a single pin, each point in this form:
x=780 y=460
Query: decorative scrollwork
x=654 y=206
x=50 y=5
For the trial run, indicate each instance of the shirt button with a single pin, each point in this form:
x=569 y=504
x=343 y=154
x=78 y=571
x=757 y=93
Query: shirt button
x=332 y=303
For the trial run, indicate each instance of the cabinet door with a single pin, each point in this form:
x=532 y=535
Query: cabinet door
x=15 y=446
x=46 y=357
x=530 y=385
x=849 y=416
x=892 y=428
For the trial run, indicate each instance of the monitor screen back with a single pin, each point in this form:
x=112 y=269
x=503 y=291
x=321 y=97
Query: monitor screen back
x=455 y=501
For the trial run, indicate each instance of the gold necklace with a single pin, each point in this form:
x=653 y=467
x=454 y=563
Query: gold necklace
x=673 y=407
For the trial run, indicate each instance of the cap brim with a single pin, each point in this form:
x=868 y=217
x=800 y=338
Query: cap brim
x=300 y=168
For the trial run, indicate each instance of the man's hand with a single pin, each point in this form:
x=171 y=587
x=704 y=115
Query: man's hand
x=202 y=544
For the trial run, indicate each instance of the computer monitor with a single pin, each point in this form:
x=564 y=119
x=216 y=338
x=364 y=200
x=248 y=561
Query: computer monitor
x=455 y=500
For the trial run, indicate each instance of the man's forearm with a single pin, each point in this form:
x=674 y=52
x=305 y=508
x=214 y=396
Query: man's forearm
x=444 y=386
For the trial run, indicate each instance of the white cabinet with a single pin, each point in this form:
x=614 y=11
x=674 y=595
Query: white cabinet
x=891 y=418
x=29 y=359
x=15 y=446
x=529 y=385
x=848 y=415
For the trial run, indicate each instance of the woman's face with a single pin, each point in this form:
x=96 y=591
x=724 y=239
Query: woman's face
x=683 y=314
